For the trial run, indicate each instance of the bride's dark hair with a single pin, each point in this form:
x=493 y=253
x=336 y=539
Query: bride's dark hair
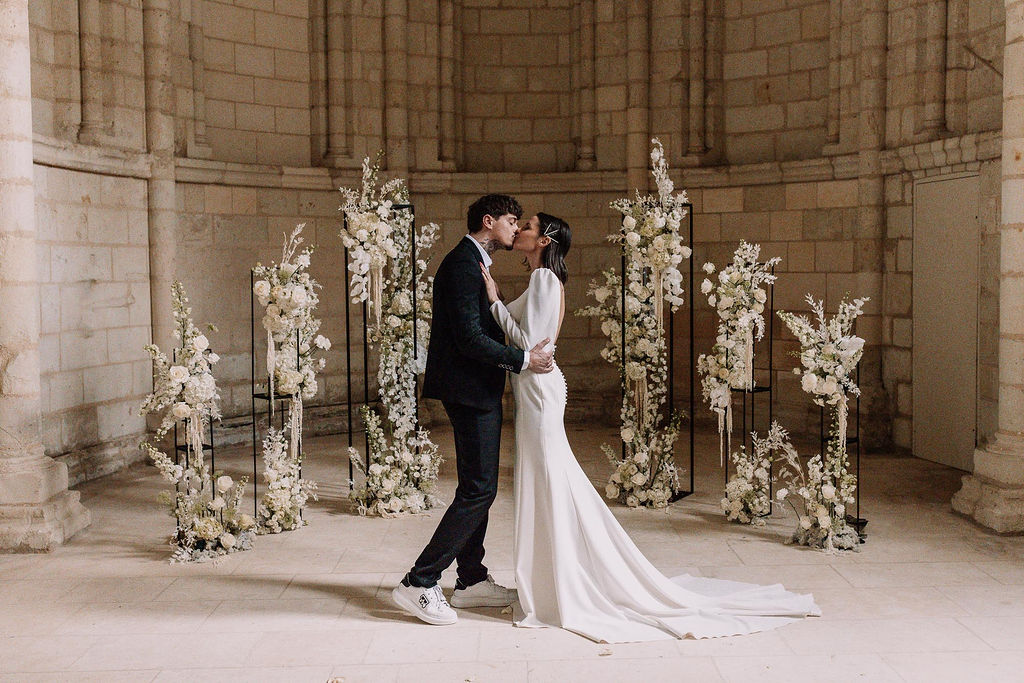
x=561 y=239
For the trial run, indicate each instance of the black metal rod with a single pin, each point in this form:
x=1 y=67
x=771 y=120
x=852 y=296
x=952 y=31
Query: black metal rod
x=348 y=360
x=771 y=387
x=622 y=331
x=366 y=376
x=693 y=364
x=252 y=384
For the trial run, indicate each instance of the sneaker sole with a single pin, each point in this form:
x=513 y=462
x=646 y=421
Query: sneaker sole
x=408 y=607
x=462 y=603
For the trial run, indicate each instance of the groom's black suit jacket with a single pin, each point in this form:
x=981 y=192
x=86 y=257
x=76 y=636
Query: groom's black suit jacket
x=467 y=356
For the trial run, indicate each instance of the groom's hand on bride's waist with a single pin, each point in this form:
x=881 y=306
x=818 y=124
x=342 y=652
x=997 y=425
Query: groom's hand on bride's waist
x=541 y=361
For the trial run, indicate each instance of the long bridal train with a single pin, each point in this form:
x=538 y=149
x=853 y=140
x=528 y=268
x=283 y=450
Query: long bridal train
x=576 y=568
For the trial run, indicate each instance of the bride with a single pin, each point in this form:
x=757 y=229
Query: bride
x=575 y=567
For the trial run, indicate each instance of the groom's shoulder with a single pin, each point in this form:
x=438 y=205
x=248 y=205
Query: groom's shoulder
x=460 y=253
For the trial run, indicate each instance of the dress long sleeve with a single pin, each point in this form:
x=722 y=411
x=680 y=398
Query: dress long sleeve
x=540 y=314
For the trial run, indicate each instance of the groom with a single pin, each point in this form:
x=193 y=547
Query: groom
x=466 y=363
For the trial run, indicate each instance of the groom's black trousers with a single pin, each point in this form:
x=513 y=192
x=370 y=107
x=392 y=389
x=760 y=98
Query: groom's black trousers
x=460 y=534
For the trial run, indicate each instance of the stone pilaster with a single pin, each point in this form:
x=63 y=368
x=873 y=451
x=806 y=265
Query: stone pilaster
x=994 y=494
x=198 y=147
x=90 y=55
x=638 y=70
x=396 y=78
x=37 y=512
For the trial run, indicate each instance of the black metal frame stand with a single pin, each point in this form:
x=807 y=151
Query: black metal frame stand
x=854 y=520
x=747 y=441
x=366 y=350
x=282 y=403
x=670 y=403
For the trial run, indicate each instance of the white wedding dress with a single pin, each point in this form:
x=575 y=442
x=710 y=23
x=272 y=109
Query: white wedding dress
x=576 y=568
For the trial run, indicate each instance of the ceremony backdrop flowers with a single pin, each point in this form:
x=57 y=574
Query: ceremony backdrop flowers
x=287 y=492
x=289 y=297
x=829 y=354
x=746 y=498
x=738 y=298
x=649 y=237
x=208 y=520
x=403 y=461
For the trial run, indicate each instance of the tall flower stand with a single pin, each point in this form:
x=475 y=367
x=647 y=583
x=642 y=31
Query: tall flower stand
x=769 y=388
x=854 y=520
x=351 y=405
x=691 y=349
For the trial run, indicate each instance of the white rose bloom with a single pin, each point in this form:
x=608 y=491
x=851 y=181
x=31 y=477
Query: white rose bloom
x=828 y=387
x=809 y=383
x=627 y=434
x=178 y=373
x=611 y=491
x=224 y=483
x=706 y=287
x=824 y=521
x=632 y=501
x=395 y=504
x=322 y=342
x=180 y=410
x=632 y=239
x=261 y=289
x=394 y=321
x=712 y=300
x=217 y=504
x=201 y=343
x=805 y=522
x=828 y=492
x=725 y=302
x=628 y=222
x=287 y=269
x=212 y=357
x=227 y=540
x=639 y=478
x=760 y=295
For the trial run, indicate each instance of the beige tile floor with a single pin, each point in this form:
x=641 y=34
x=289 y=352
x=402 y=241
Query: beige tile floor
x=930 y=597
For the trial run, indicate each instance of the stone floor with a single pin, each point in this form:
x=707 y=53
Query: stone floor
x=930 y=597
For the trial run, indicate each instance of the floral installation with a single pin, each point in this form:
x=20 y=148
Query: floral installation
x=644 y=474
x=829 y=354
x=294 y=346
x=402 y=460
x=206 y=509
x=746 y=498
x=818 y=497
x=282 y=504
x=738 y=298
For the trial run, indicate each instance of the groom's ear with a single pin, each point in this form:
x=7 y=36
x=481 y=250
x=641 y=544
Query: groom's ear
x=487 y=221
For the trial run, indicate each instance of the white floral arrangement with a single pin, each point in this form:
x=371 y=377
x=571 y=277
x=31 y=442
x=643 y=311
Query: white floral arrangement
x=645 y=475
x=403 y=461
x=285 y=498
x=206 y=510
x=829 y=354
x=746 y=498
x=818 y=497
x=739 y=298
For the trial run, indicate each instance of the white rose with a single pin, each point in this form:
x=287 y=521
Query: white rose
x=322 y=342
x=394 y=321
x=395 y=504
x=760 y=295
x=627 y=434
x=828 y=387
x=611 y=491
x=828 y=492
x=217 y=503
x=805 y=522
x=261 y=289
x=706 y=287
x=725 y=302
x=712 y=300
x=628 y=223
x=823 y=520
x=287 y=269
x=809 y=383
x=180 y=410
x=639 y=478
x=224 y=483
x=632 y=239
x=212 y=357
x=201 y=343
x=632 y=501
x=178 y=373
x=227 y=540
x=246 y=522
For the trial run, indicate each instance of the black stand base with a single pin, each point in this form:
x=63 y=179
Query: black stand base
x=679 y=495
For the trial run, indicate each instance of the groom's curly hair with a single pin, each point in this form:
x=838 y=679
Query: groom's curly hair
x=495 y=205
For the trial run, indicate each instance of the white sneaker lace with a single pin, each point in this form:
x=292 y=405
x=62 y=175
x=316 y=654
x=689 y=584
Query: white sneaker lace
x=439 y=598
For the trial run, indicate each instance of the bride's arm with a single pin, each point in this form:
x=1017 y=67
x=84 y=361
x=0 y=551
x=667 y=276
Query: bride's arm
x=540 y=315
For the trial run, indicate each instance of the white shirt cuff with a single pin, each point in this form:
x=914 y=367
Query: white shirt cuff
x=526 y=360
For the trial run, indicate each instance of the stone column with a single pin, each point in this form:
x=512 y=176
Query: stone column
x=933 y=121
x=163 y=217
x=396 y=79
x=198 y=147
x=90 y=57
x=446 y=76
x=835 y=28
x=714 y=83
x=994 y=494
x=697 y=28
x=586 y=155
x=37 y=511
x=339 y=82
x=638 y=69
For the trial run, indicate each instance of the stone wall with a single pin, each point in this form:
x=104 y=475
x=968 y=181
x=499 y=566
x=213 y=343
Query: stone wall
x=95 y=318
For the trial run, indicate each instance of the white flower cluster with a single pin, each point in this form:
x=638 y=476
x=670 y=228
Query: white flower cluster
x=650 y=232
x=208 y=520
x=401 y=475
x=289 y=297
x=646 y=474
x=819 y=497
x=287 y=492
x=829 y=351
x=746 y=494
x=390 y=271
x=739 y=298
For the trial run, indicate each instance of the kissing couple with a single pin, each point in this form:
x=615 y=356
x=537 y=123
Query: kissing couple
x=575 y=567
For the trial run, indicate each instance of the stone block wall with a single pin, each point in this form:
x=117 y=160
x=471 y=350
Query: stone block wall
x=258 y=81
x=93 y=261
x=517 y=65
x=776 y=79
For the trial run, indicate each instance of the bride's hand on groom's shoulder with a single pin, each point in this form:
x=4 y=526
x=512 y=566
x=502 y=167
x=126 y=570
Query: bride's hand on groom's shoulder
x=492 y=287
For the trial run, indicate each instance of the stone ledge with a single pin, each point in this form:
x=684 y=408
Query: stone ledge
x=47 y=151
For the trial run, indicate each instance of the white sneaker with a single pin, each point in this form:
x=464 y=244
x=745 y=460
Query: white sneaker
x=426 y=604
x=486 y=593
